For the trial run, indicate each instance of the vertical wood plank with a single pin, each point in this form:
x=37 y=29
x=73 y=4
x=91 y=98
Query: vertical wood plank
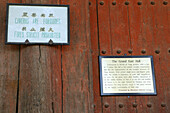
x=40 y=87
x=95 y=53
x=121 y=44
x=76 y=61
x=9 y=64
x=161 y=43
x=108 y=103
x=149 y=24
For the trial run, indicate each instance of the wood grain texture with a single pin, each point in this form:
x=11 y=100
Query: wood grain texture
x=76 y=61
x=65 y=79
x=149 y=25
x=9 y=65
x=40 y=88
x=95 y=53
x=105 y=45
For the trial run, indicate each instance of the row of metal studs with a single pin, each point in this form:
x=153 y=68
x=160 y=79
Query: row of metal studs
x=127 y=3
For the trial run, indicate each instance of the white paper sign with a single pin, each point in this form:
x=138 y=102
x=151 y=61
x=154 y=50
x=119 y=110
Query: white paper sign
x=127 y=75
x=38 y=24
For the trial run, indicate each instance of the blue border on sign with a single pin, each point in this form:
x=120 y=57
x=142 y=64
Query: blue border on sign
x=126 y=94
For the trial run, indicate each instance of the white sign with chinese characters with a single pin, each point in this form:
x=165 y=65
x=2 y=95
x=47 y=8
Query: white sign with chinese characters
x=37 y=23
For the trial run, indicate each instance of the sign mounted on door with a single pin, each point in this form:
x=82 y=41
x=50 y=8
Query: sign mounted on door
x=37 y=24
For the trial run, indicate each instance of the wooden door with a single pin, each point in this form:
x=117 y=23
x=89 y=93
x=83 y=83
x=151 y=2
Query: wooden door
x=131 y=27
x=65 y=79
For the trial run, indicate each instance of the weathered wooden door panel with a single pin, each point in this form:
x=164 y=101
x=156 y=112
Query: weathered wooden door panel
x=9 y=65
x=77 y=61
x=131 y=28
x=65 y=79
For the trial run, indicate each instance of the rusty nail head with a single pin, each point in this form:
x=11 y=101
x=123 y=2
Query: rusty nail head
x=130 y=51
x=139 y=3
x=143 y=51
x=163 y=104
x=152 y=3
x=149 y=105
x=50 y=42
x=118 y=51
x=94 y=106
x=114 y=3
x=26 y=41
x=106 y=105
x=89 y=3
x=157 y=51
x=126 y=3
x=135 y=105
x=165 y=2
x=101 y=3
x=103 y=51
x=120 y=105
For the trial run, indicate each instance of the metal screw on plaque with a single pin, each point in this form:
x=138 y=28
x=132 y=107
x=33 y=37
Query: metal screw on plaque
x=165 y=3
x=118 y=51
x=157 y=51
x=152 y=3
x=143 y=51
x=50 y=42
x=113 y=3
x=27 y=42
x=106 y=105
x=163 y=105
x=149 y=105
x=103 y=51
x=120 y=105
x=130 y=51
x=139 y=3
x=135 y=105
x=126 y=3
x=101 y=3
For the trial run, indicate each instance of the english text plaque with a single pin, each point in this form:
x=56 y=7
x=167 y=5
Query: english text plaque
x=37 y=24
x=127 y=75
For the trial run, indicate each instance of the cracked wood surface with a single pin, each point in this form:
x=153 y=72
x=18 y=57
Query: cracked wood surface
x=65 y=79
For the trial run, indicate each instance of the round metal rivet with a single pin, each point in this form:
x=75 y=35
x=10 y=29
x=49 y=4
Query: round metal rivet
x=143 y=51
x=94 y=105
x=152 y=3
x=157 y=51
x=120 y=105
x=106 y=105
x=130 y=51
x=103 y=51
x=165 y=3
x=149 y=105
x=126 y=3
x=135 y=105
x=118 y=51
x=163 y=105
x=89 y=3
x=101 y=3
x=139 y=3
x=113 y=3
